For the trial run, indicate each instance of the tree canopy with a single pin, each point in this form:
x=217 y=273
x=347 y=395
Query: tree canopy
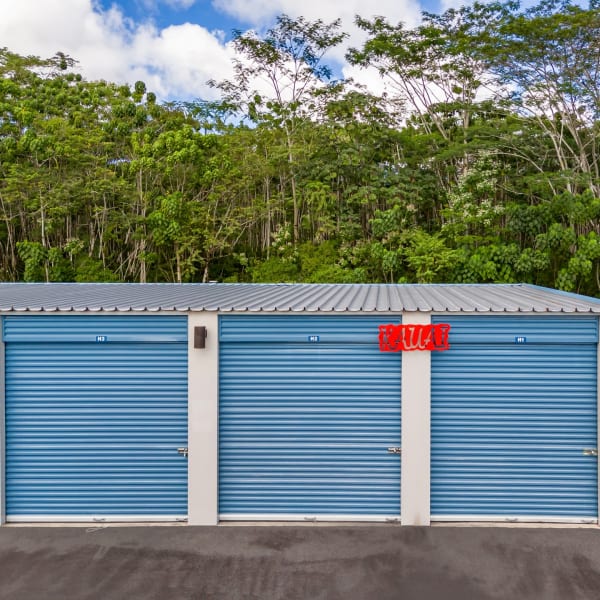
x=480 y=163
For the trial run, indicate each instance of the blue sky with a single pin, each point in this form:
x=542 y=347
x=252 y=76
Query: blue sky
x=176 y=46
x=204 y=12
x=165 y=14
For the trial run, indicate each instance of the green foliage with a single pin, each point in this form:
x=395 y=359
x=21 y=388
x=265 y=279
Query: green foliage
x=275 y=270
x=480 y=163
x=34 y=256
x=428 y=257
x=310 y=263
x=90 y=270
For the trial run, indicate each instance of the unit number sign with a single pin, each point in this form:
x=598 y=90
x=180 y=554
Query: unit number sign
x=405 y=338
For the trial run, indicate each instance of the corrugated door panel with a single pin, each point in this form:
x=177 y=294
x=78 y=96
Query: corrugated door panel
x=92 y=429
x=343 y=329
x=510 y=422
x=86 y=328
x=536 y=330
x=304 y=428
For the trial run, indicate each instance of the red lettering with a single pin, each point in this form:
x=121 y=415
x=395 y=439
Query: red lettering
x=406 y=338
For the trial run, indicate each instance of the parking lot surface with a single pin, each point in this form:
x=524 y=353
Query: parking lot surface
x=348 y=562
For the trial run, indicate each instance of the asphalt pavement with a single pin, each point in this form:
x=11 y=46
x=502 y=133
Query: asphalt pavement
x=358 y=562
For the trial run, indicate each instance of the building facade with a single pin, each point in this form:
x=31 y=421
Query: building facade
x=287 y=402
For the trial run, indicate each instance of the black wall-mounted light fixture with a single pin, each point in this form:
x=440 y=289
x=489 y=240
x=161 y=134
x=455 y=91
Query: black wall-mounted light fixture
x=200 y=337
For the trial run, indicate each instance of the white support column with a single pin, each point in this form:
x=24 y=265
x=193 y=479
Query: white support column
x=203 y=421
x=416 y=429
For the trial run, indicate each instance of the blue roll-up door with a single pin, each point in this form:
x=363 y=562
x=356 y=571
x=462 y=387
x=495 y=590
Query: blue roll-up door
x=514 y=419
x=96 y=407
x=308 y=409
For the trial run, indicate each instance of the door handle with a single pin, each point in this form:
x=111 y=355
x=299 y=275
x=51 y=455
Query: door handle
x=395 y=450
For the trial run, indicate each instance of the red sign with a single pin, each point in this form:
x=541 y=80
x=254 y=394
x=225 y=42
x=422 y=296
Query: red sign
x=404 y=338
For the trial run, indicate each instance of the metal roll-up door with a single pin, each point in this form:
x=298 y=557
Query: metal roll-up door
x=96 y=408
x=514 y=420
x=308 y=409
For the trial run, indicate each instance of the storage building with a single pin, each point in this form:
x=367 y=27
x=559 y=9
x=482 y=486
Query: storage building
x=212 y=402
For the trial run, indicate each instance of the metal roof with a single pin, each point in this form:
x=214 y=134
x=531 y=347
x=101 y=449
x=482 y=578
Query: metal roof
x=287 y=297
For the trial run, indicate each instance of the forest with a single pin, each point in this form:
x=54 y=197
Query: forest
x=480 y=162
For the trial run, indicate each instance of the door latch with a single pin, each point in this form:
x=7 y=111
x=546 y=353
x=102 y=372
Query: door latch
x=182 y=451
x=590 y=451
x=395 y=450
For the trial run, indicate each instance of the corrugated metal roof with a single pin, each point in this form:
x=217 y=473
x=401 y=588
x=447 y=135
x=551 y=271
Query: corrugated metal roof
x=284 y=297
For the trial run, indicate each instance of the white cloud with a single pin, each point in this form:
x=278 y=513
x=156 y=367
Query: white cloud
x=176 y=4
x=175 y=62
x=446 y=4
x=369 y=78
x=179 y=60
x=181 y=4
x=260 y=14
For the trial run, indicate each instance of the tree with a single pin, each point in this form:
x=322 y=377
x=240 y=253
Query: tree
x=277 y=79
x=548 y=60
x=436 y=71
